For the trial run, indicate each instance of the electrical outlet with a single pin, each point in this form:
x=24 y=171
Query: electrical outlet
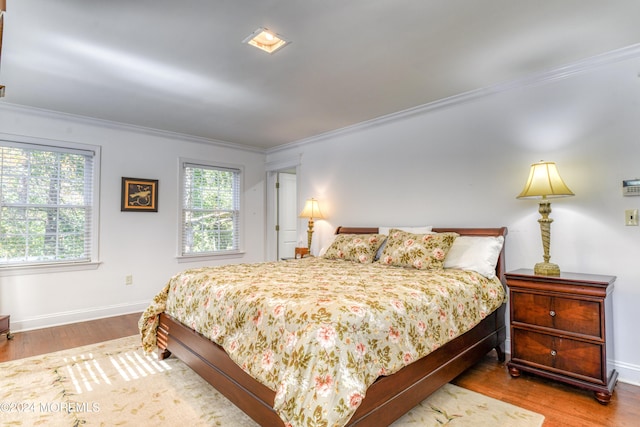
x=631 y=217
x=128 y=279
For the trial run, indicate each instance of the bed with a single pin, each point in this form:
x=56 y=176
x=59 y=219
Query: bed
x=388 y=392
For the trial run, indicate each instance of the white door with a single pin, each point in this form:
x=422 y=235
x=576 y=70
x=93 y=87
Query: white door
x=287 y=216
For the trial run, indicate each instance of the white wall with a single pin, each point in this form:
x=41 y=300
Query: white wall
x=141 y=244
x=463 y=163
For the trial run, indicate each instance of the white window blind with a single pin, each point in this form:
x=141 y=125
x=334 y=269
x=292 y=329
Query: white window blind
x=210 y=209
x=46 y=204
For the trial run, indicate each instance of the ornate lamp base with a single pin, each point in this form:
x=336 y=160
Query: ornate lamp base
x=309 y=234
x=546 y=269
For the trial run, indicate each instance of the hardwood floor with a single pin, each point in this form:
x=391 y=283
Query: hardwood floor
x=47 y=340
x=560 y=404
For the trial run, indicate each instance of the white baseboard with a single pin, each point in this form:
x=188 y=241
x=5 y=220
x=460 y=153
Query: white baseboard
x=64 y=318
x=627 y=372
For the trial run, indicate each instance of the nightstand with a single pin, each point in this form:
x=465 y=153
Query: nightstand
x=5 y=327
x=301 y=252
x=561 y=329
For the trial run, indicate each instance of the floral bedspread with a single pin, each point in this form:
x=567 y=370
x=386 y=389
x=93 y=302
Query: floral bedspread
x=318 y=332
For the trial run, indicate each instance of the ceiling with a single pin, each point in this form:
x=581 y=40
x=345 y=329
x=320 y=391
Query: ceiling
x=180 y=66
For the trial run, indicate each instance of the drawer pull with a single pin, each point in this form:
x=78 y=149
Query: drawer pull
x=553 y=353
x=552 y=313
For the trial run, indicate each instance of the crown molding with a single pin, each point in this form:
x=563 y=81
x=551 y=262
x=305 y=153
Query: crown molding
x=92 y=121
x=578 y=67
x=588 y=64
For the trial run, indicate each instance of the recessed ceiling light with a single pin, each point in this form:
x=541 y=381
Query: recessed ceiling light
x=266 y=40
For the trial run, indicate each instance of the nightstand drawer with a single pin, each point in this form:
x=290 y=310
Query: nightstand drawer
x=579 y=316
x=570 y=357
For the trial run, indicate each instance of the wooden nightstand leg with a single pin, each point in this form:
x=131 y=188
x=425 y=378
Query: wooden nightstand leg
x=515 y=372
x=5 y=326
x=603 y=397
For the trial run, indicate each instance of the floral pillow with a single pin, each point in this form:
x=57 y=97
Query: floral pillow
x=422 y=251
x=355 y=247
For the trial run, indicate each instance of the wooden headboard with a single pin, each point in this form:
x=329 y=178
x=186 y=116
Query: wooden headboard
x=501 y=231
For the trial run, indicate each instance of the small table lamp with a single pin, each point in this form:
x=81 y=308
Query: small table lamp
x=544 y=182
x=311 y=210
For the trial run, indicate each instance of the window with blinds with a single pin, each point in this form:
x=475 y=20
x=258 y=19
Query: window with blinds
x=46 y=204
x=210 y=209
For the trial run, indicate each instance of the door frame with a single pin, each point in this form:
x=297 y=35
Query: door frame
x=272 y=169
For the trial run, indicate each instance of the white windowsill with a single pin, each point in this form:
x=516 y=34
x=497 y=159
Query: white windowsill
x=47 y=268
x=209 y=257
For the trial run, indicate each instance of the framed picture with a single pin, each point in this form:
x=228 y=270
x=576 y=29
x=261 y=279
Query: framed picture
x=139 y=195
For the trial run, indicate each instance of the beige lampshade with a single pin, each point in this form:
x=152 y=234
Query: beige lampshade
x=544 y=181
x=311 y=210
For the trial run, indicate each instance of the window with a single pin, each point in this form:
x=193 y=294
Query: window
x=210 y=209
x=47 y=207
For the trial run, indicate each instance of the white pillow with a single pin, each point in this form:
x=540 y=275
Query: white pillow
x=477 y=253
x=415 y=230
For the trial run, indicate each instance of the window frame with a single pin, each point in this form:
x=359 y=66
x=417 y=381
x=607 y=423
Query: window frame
x=182 y=257
x=72 y=265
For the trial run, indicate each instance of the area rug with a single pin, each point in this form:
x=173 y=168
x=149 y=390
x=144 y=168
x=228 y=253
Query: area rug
x=115 y=384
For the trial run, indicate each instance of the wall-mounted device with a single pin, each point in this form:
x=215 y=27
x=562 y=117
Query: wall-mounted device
x=631 y=187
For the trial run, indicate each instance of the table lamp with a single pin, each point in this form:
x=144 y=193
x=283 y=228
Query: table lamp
x=311 y=210
x=544 y=183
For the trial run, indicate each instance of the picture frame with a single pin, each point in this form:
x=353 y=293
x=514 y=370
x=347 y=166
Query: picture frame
x=139 y=195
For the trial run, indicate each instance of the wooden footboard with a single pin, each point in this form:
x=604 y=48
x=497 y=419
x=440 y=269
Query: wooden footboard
x=386 y=400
